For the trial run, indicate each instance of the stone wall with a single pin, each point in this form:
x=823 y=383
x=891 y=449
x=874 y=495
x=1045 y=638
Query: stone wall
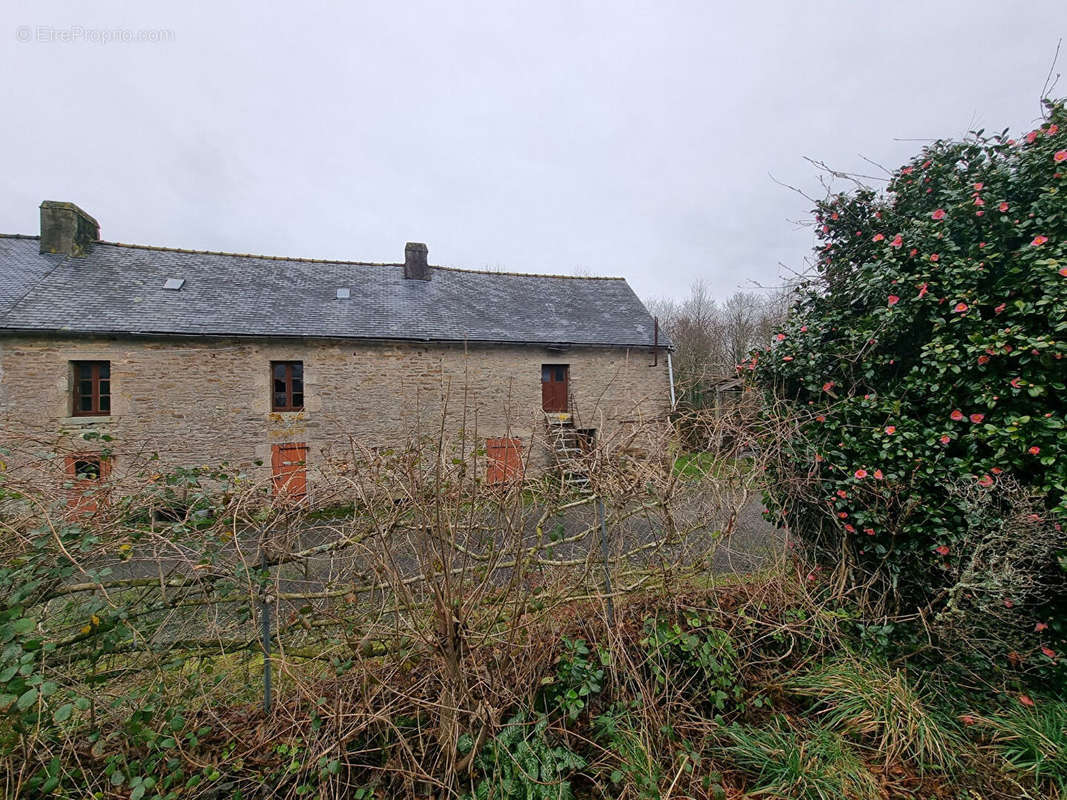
x=196 y=401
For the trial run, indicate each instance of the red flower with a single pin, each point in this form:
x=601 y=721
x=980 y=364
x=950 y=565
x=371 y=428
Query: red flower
x=1009 y=604
x=979 y=186
x=849 y=528
x=1041 y=626
x=960 y=308
x=913 y=251
x=1015 y=382
x=967 y=719
x=780 y=337
x=842 y=493
x=983 y=359
x=890 y=429
x=945 y=439
x=985 y=481
x=1026 y=701
x=893 y=299
x=907 y=170
x=803 y=328
x=939 y=214
x=843 y=514
x=877 y=237
x=976 y=418
x=1034 y=450
x=942 y=550
x=1030 y=137
x=1063 y=271
x=878 y=474
x=1059 y=155
x=923 y=291
x=996 y=470
x=978 y=201
x=869 y=531
x=935 y=257
x=820 y=418
x=897 y=242
x=1052 y=129
x=957 y=415
x=828 y=386
x=787 y=358
x=1000 y=308
x=861 y=474
x=1038 y=241
x=1002 y=207
x=1048 y=652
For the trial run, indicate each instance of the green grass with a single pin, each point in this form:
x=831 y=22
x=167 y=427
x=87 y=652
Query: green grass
x=880 y=708
x=812 y=764
x=1034 y=741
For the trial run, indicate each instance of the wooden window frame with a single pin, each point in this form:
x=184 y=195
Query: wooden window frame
x=289 y=406
x=84 y=496
x=95 y=393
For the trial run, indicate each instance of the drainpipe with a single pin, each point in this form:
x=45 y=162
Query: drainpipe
x=670 y=373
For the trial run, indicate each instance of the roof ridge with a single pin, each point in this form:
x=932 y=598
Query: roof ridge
x=305 y=260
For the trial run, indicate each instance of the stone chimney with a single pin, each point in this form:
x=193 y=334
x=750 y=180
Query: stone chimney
x=66 y=229
x=415 y=266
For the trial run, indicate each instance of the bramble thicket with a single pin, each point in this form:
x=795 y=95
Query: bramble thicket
x=923 y=362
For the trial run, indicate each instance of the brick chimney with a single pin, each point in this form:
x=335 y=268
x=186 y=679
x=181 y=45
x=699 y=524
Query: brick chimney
x=66 y=229
x=415 y=266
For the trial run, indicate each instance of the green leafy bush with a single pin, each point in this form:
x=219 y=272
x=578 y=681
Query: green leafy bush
x=579 y=676
x=520 y=763
x=924 y=360
x=698 y=661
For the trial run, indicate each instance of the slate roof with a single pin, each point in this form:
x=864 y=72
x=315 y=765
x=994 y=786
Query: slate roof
x=118 y=288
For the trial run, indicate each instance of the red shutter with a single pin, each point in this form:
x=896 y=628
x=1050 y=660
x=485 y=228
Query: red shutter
x=84 y=497
x=289 y=470
x=505 y=460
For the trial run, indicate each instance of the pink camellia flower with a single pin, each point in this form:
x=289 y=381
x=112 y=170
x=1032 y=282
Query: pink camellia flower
x=1002 y=207
x=849 y=528
x=1038 y=241
x=945 y=439
x=897 y=242
x=979 y=187
x=780 y=337
x=935 y=257
x=996 y=470
x=843 y=514
x=913 y=251
x=1030 y=137
x=828 y=386
x=983 y=359
x=878 y=475
x=978 y=201
x=907 y=170
x=999 y=309
x=1041 y=626
x=1063 y=271
x=890 y=429
x=1053 y=129
x=877 y=237
x=787 y=358
x=1026 y=701
x=893 y=299
x=1034 y=450
x=842 y=493
x=960 y=308
x=1059 y=155
x=957 y=415
x=1048 y=651
x=923 y=290
x=968 y=719
x=1015 y=382
x=976 y=418
x=938 y=214
x=869 y=531
x=803 y=328
x=861 y=474
x=985 y=481
x=942 y=550
x=820 y=418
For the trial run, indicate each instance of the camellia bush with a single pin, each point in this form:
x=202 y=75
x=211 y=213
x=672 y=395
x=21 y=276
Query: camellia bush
x=923 y=367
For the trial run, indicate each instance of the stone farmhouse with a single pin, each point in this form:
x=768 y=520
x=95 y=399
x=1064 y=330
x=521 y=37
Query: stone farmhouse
x=277 y=365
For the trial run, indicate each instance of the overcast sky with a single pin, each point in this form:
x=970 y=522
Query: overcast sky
x=616 y=138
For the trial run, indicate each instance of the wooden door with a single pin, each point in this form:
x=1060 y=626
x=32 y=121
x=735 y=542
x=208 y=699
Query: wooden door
x=87 y=473
x=505 y=460
x=289 y=470
x=554 y=388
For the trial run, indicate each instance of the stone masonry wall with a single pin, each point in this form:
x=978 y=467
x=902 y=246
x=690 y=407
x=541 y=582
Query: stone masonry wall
x=198 y=401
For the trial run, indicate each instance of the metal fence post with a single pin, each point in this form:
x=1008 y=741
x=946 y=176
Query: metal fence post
x=264 y=622
x=604 y=557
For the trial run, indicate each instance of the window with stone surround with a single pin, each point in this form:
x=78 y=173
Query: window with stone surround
x=92 y=389
x=287 y=385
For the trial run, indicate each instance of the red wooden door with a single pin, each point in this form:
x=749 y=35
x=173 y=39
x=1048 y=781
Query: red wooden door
x=87 y=473
x=505 y=460
x=289 y=470
x=554 y=388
